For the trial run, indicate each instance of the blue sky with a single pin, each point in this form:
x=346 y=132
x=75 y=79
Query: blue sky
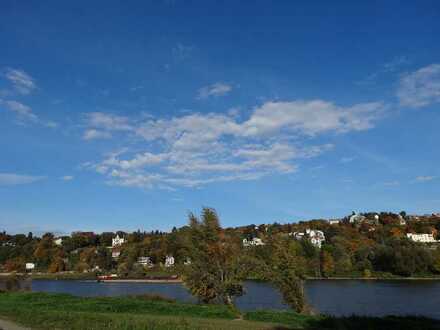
x=128 y=115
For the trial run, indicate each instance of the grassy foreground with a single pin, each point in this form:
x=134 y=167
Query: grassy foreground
x=61 y=311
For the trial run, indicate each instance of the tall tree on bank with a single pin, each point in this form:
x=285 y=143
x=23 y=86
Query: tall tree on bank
x=216 y=271
x=287 y=271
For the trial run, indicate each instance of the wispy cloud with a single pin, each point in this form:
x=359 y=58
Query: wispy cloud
x=94 y=134
x=67 y=178
x=214 y=90
x=396 y=63
x=197 y=149
x=392 y=66
x=425 y=178
x=12 y=179
x=420 y=88
x=21 y=81
x=24 y=113
x=347 y=159
x=182 y=52
x=391 y=183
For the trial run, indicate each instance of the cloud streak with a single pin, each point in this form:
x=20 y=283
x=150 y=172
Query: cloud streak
x=420 y=88
x=197 y=149
x=12 y=179
x=214 y=90
x=22 y=82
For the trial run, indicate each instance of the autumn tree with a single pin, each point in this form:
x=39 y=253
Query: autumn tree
x=215 y=272
x=287 y=272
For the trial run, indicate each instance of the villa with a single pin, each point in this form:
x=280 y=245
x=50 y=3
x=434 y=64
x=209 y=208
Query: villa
x=118 y=241
x=252 y=242
x=116 y=253
x=169 y=261
x=145 y=261
x=58 y=241
x=316 y=237
x=30 y=266
x=422 y=238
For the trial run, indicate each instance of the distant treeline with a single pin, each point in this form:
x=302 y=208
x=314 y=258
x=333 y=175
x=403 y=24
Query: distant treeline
x=375 y=247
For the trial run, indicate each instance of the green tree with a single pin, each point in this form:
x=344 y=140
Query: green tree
x=287 y=272
x=216 y=271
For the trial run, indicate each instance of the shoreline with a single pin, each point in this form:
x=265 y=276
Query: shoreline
x=138 y=281
x=373 y=278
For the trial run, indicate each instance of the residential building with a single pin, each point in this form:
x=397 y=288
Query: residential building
x=169 y=261
x=316 y=237
x=422 y=238
x=118 y=241
x=334 y=221
x=30 y=266
x=402 y=220
x=116 y=254
x=252 y=242
x=145 y=261
x=58 y=241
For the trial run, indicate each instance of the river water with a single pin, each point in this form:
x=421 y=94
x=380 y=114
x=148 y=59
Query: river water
x=334 y=297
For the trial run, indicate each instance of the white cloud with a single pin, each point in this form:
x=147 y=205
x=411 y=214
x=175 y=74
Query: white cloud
x=214 y=90
x=21 y=81
x=425 y=178
x=391 y=183
x=23 y=112
x=420 y=88
x=347 y=159
x=311 y=117
x=67 y=178
x=12 y=179
x=93 y=134
x=197 y=149
x=108 y=121
x=396 y=63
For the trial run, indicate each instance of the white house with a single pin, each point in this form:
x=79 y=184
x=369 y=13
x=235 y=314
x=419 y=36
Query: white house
x=316 y=237
x=116 y=254
x=252 y=242
x=145 y=261
x=402 y=220
x=169 y=261
x=334 y=221
x=422 y=238
x=117 y=241
x=58 y=241
x=30 y=266
x=357 y=218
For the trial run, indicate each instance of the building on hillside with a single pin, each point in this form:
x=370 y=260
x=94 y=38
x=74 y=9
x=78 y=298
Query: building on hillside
x=316 y=237
x=30 y=266
x=145 y=261
x=117 y=241
x=116 y=253
x=357 y=218
x=422 y=238
x=334 y=221
x=402 y=221
x=169 y=261
x=252 y=242
x=58 y=241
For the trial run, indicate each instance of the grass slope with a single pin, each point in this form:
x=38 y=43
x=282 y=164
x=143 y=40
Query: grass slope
x=61 y=311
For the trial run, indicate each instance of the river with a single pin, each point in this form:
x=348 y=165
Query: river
x=334 y=297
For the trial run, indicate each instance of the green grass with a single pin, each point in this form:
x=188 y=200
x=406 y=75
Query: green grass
x=61 y=311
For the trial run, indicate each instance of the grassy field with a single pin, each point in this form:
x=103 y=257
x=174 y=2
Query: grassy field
x=61 y=311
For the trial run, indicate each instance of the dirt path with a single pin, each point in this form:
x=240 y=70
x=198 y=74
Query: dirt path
x=7 y=325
